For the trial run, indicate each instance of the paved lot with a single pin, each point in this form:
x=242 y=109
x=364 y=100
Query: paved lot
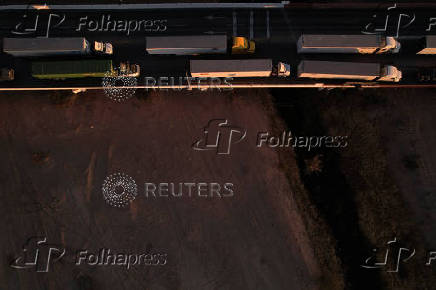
x=275 y=31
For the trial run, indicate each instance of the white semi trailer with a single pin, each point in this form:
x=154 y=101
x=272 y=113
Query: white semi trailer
x=238 y=68
x=198 y=44
x=429 y=45
x=28 y=47
x=348 y=70
x=364 y=44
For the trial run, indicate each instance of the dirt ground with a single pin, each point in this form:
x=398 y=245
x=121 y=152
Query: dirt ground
x=411 y=154
x=57 y=152
x=384 y=187
x=297 y=220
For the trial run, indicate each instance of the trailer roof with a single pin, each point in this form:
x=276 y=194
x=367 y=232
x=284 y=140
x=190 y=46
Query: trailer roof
x=44 y=44
x=231 y=65
x=189 y=41
x=319 y=40
x=340 y=68
x=72 y=66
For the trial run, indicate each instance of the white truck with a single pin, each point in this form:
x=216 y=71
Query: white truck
x=28 y=47
x=429 y=45
x=348 y=70
x=198 y=44
x=239 y=68
x=364 y=44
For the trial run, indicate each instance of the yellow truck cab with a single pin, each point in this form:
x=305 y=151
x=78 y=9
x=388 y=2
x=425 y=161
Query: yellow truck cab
x=241 y=45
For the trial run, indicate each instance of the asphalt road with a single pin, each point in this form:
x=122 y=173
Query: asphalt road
x=274 y=30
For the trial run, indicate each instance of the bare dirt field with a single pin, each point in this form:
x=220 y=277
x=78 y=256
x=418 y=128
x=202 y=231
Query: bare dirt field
x=56 y=153
x=379 y=188
x=298 y=219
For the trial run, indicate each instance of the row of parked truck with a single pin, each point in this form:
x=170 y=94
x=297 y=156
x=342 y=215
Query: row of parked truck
x=214 y=44
x=306 y=69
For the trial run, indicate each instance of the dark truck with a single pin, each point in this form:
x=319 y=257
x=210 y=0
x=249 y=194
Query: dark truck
x=33 y=47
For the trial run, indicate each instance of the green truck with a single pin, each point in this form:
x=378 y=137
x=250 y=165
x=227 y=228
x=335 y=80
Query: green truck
x=72 y=69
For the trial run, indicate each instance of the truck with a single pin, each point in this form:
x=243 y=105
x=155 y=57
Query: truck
x=198 y=44
x=33 y=47
x=363 y=44
x=348 y=70
x=7 y=74
x=429 y=46
x=81 y=68
x=238 y=68
x=129 y=70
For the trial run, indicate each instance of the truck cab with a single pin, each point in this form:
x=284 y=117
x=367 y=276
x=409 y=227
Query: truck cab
x=103 y=47
x=392 y=46
x=6 y=74
x=241 y=45
x=390 y=73
x=129 y=70
x=282 y=70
